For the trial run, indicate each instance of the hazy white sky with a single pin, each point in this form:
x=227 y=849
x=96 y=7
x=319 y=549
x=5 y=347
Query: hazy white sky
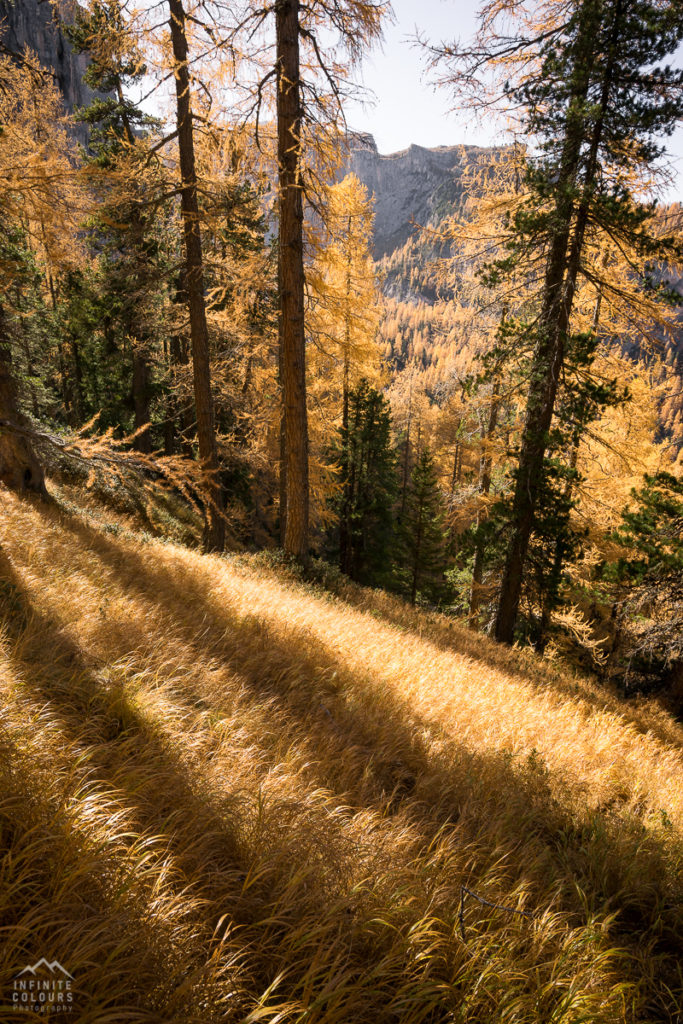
x=409 y=109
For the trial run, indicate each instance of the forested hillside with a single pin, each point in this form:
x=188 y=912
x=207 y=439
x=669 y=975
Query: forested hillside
x=341 y=521
x=416 y=194
x=346 y=364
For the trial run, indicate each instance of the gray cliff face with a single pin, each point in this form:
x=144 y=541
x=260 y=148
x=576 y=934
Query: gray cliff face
x=36 y=24
x=412 y=187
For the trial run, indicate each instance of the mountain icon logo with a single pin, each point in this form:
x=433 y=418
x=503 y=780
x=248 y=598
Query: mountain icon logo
x=51 y=967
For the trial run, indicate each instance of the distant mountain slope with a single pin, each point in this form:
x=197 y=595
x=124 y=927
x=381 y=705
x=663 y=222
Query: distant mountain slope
x=419 y=186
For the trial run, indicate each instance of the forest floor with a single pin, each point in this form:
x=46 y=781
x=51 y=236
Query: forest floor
x=228 y=795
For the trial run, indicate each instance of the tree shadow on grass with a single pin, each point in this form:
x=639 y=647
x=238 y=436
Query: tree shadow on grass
x=302 y=673
x=373 y=753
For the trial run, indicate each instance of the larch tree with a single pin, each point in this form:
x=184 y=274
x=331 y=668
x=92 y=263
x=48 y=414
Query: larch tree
x=165 y=42
x=311 y=80
x=342 y=315
x=39 y=204
x=343 y=310
x=214 y=535
x=291 y=329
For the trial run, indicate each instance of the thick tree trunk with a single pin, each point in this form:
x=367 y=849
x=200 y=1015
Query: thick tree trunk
x=282 y=440
x=562 y=270
x=214 y=532
x=19 y=467
x=292 y=338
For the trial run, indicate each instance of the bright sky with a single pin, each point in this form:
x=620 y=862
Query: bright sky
x=409 y=109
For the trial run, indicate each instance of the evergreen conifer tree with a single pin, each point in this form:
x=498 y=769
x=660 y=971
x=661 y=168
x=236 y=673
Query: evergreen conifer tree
x=595 y=115
x=422 y=532
x=647 y=581
x=368 y=487
x=127 y=230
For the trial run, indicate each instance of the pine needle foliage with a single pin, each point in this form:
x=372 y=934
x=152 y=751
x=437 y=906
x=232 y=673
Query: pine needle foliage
x=421 y=529
x=368 y=484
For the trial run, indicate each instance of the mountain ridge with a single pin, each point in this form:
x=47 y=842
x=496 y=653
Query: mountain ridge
x=412 y=185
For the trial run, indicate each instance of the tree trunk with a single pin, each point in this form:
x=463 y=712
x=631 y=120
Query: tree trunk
x=143 y=440
x=214 y=530
x=344 y=523
x=485 y=464
x=405 y=472
x=558 y=296
x=19 y=467
x=282 y=482
x=416 y=560
x=292 y=338
x=77 y=392
x=457 y=466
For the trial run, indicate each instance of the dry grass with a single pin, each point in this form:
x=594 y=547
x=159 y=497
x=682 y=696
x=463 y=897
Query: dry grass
x=228 y=796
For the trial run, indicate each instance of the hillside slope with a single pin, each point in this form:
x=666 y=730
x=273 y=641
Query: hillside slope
x=227 y=795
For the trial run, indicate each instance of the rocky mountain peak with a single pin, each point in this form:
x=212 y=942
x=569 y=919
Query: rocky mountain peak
x=413 y=186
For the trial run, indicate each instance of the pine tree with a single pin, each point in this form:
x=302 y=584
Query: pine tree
x=421 y=531
x=595 y=116
x=127 y=231
x=653 y=530
x=647 y=581
x=368 y=487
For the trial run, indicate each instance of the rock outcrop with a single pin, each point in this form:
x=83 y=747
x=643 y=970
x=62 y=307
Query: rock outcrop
x=413 y=186
x=37 y=24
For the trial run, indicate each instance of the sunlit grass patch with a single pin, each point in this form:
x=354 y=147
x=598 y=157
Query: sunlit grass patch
x=261 y=802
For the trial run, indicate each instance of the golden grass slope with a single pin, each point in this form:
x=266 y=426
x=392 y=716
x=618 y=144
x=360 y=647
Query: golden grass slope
x=227 y=796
